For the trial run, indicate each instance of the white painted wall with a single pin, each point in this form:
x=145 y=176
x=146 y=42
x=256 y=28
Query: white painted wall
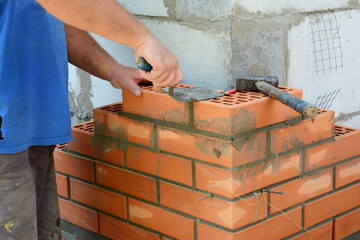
x=302 y=68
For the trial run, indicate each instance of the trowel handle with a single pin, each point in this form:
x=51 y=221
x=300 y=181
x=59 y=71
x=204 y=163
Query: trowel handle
x=299 y=105
x=143 y=64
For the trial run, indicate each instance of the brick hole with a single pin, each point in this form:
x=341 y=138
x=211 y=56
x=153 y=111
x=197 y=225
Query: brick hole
x=228 y=103
x=241 y=101
x=105 y=108
x=254 y=93
x=341 y=130
x=242 y=97
x=256 y=97
x=89 y=130
x=115 y=110
x=286 y=89
x=147 y=88
x=227 y=100
x=61 y=146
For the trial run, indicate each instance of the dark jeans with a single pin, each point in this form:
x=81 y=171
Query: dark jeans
x=29 y=207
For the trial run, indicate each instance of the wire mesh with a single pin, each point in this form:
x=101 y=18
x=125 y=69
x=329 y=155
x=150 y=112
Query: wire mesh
x=326 y=42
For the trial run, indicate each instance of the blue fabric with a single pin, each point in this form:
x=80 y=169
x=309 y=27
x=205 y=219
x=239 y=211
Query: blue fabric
x=34 y=105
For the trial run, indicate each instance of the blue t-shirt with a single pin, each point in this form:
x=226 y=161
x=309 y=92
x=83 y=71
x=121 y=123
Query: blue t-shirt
x=34 y=105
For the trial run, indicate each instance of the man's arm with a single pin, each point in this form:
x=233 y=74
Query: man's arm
x=109 y=19
x=85 y=53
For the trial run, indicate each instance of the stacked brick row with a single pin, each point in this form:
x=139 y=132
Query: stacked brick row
x=145 y=168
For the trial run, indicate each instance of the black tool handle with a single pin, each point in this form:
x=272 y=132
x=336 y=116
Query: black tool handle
x=143 y=64
x=299 y=105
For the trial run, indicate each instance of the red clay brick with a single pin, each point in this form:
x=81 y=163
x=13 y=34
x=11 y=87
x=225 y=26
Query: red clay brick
x=273 y=228
x=346 y=225
x=95 y=146
x=241 y=111
x=79 y=215
x=231 y=215
x=345 y=146
x=62 y=185
x=319 y=233
x=249 y=179
x=109 y=123
x=126 y=181
x=307 y=131
x=118 y=230
x=301 y=190
x=331 y=205
x=101 y=199
x=158 y=105
x=347 y=173
x=218 y=151
x=161 y=220
x=162 y=165
x=74 y=165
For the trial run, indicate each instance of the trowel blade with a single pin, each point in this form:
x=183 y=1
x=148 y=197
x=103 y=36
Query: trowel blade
x=193 y=94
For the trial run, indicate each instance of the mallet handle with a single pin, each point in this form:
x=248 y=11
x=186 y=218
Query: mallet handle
x=299 y=105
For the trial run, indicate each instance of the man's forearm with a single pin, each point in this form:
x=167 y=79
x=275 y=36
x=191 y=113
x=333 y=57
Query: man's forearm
x=85 y=53
x=106 y=18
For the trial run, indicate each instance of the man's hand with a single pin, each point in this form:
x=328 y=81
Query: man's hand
x=109 y=19
x=166 y=71
x=85 y=53
x=125 y=78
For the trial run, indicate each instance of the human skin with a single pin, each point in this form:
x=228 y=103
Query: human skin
x=109 y=19
x=85 y=53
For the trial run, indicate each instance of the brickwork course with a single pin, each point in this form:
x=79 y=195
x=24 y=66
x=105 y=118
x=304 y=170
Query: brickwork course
x=242 y=166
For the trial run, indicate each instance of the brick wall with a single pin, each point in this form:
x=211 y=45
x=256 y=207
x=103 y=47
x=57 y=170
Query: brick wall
x=142 y=169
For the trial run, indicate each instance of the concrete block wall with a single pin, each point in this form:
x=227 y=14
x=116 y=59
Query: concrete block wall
x=153 y=168
x=308 y=45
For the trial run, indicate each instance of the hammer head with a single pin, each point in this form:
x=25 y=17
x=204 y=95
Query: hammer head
x=249 y=83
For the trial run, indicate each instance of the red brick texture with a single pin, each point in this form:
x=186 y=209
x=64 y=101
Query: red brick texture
x=153 y=168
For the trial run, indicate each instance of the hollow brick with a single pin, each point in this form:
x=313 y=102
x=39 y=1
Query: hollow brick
x=213 y=150
x=346 y=145
x=277 y=227
x=230 y=215
x=109 y=123
x=85 y=142
x=162 y=165
x=300 y=190
x=241 y=112
x=247 y=179
x=307 y=131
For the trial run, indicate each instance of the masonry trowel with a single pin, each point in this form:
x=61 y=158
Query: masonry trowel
x=191 y=94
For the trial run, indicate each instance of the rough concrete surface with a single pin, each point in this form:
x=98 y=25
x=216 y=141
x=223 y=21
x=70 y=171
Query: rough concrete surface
x=219 y=41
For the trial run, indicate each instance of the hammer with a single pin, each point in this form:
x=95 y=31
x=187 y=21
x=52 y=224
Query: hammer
x=268 y=85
